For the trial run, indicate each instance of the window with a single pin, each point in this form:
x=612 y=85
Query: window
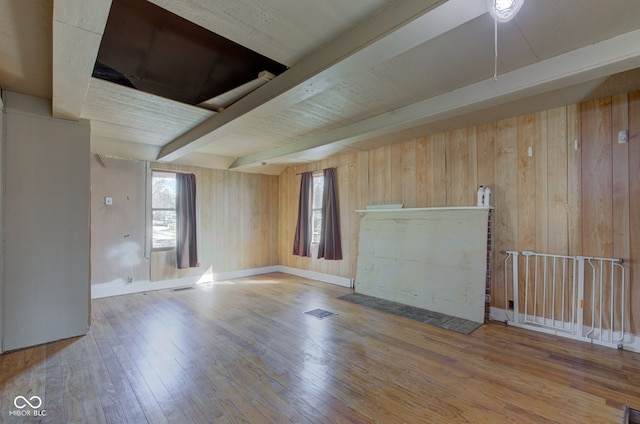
x=316 y=207
x=163 y=210
x=318 y=223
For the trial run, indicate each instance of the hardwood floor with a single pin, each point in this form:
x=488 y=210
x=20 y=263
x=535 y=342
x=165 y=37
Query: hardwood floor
x=243 y=351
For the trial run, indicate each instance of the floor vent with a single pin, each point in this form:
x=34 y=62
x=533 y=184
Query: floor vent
x=182 y=289
x=320 y=313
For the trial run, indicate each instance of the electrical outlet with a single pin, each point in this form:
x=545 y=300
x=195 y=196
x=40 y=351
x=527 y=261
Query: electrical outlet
x=108 y=200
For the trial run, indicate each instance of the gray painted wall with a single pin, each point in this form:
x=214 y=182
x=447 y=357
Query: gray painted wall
x=118 y=231
x=46 y=198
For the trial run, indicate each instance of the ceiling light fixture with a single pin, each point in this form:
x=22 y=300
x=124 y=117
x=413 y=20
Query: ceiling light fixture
x=504 y=10
x=501 y=11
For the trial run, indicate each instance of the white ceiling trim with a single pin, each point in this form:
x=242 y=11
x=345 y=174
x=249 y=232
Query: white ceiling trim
x=598 y=60
x=392 y=32
x=119 y=148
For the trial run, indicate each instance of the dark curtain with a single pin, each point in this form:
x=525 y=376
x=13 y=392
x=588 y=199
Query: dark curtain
x=302 y=240
x=186 y=243
x=330 y=246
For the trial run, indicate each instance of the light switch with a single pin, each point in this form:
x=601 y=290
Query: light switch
x=623 y=136
x=108 y=200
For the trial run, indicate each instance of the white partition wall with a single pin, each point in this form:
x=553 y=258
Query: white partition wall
x=431 y=258
x=2 y=119
x=46 y=224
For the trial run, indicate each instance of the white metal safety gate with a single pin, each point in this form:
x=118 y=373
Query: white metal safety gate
x=579 y=297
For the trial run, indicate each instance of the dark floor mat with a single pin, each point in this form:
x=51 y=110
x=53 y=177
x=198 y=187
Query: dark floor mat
x=437 y=319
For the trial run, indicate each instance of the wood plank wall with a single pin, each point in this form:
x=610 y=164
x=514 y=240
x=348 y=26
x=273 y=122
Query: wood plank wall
x=558 y=200
x=238 y=225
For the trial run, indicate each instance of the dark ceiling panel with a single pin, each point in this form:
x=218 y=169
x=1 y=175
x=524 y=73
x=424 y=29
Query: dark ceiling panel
x=155 y=51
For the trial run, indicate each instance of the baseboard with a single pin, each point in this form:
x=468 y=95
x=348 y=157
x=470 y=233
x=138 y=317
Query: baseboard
x=497 y=314
x=120 y=287
x=630 y=341
x=313 y=275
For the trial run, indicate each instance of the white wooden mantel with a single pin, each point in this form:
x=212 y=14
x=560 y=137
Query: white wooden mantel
x=431 y=258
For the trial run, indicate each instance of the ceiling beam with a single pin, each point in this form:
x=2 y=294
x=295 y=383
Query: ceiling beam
x=615 y=55
x=78 y=26
x=224 y=100
x=395 y=30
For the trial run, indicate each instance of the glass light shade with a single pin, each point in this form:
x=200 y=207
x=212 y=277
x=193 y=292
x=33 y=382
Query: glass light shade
x=504 y=10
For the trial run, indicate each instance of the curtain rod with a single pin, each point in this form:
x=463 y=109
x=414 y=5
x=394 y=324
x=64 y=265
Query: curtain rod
x=318 y=170
x=170 y=171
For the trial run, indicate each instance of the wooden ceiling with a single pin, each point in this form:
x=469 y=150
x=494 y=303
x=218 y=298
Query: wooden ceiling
x=361 y=73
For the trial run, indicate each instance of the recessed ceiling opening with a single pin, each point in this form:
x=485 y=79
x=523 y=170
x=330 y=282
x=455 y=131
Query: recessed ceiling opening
x=151 y=49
